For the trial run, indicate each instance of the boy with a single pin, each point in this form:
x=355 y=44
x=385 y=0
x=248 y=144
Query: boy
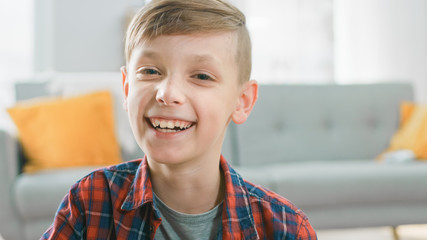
x=186 y=77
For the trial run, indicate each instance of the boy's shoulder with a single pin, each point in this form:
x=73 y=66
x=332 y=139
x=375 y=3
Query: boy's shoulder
x=263 y=195
x=271 y=213
x=125 y=167
x=128 y=167
x=278 y=211
x=265 y=199
x=117 y=174
x=259 y=193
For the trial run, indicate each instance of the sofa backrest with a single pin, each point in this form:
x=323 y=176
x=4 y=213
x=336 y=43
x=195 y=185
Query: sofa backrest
x=320 y=122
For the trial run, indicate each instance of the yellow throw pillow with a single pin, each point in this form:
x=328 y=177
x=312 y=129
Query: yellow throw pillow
x=412 y=134
x=77 y=131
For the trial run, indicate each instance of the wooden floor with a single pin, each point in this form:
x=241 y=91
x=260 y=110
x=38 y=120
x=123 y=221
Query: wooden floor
x=408 y=232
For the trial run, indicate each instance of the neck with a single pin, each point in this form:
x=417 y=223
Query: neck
x=189 y=188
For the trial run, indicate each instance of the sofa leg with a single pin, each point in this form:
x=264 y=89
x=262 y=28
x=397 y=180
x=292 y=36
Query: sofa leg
x=395 y=233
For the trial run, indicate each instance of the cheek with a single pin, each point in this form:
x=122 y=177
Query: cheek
x=220 y=108
x=229 y=101
x=138 y=100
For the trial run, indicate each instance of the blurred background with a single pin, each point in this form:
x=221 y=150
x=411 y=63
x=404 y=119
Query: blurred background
x=294 y=41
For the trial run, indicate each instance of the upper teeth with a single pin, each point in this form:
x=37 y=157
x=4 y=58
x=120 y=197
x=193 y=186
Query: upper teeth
x=171 y=124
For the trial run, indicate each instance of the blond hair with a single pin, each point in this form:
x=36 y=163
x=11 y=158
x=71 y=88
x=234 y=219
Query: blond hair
x=168 y=17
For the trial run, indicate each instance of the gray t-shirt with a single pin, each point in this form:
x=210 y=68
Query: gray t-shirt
x=176 y=225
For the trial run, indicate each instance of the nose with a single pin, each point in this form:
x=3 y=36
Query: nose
x=170 y=93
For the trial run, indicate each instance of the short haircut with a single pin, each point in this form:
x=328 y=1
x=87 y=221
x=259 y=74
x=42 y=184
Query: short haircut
x=175 y=17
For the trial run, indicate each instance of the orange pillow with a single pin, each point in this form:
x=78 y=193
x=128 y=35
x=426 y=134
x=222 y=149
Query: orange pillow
x=57 y=133
x=412 y=133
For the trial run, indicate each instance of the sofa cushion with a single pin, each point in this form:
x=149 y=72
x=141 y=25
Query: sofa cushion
x=67 y=132
x=38 y=195
x=72 y=84
x=332 y=183
x=412 y=132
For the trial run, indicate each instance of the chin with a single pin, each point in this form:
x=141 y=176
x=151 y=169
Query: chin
x=166 y=156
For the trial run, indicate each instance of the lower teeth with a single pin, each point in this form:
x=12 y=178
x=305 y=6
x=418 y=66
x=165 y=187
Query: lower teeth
x=167 y=130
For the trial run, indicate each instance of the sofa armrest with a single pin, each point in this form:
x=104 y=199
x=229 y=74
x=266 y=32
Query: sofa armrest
x=9 y=222
x=8 y=157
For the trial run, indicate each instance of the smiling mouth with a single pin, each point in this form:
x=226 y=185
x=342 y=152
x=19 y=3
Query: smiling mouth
x=169 y=126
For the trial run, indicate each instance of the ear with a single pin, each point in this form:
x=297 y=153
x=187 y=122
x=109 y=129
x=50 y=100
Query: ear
x=247 y=100
x=125 y=84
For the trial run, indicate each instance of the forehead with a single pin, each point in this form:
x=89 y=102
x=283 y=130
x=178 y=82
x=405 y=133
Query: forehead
x=201 y=47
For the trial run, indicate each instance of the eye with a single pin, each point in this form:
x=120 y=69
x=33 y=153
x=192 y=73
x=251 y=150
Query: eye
x=203 y=76
x=149 y=71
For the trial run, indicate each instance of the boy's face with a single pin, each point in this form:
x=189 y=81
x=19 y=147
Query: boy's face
x=181 y=91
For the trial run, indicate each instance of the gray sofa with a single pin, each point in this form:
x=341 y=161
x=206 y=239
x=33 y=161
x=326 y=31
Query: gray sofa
x=314 y=144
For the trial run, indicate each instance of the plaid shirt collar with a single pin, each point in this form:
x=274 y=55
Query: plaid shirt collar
x=236 y=203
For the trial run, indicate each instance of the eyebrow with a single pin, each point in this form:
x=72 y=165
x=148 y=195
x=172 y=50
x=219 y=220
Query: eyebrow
x=150 y=54
x=203 y=58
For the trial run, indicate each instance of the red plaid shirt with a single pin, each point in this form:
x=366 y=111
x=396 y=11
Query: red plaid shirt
x=117 y=203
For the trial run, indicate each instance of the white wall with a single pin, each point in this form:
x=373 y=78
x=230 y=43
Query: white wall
x=381 y=40
x=80 y=35
x=16 y=48
x=292 y=40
